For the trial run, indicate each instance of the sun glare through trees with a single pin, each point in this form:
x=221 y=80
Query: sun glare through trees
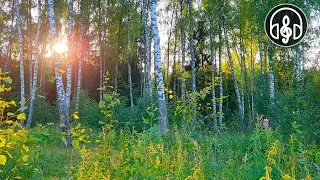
x=159 y=89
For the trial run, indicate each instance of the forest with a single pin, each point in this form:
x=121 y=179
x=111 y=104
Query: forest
x=157 y=89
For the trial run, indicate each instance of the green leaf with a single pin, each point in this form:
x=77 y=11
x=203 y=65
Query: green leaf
x=75 y=144
x=10 y=114
x=50 y=123
x=102 y=104
x=52 y=79
x=25 y=158
x=64 y=140
x=7 y=80
x=47 y=71
x=41 y=97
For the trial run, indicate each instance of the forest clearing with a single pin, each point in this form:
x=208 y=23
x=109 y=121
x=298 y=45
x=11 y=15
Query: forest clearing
x=160 y=89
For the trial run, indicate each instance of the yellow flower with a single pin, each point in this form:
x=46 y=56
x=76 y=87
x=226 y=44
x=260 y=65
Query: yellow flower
x=170 y=92
x=171 y=96
x=3 y=159
x=308 y=178
x=2 y=141
x=285 y=177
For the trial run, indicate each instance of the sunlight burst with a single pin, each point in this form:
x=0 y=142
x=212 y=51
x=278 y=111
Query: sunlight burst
x=60 y=47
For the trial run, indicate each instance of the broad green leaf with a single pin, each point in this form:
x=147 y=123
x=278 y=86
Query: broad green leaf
x=41 y=97
x=52 y=79
x=75 y=144
x=47 y=71
x=7 y=80
x=64 y=140
x=50 y=123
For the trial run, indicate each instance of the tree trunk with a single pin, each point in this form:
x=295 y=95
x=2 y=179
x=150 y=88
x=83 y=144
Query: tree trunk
x=240 y=107
x=212 y=57
x=193 y=65
x=35 y=68
x=69 y=65
x=79 y=79
x=298 y=65
x=183 y=54
x=8 y=58
x=29 y=47
x=59 y=81
x=22 y=87
x=271 y=76
x=168 y=49
x=163 y=119
x=174 y=70
x=147 y=51
x=101 y=54
x=220 y=80
x=129 y=65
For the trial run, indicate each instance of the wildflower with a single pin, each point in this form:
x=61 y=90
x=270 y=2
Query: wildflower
x=171 y=96
x=286 y=177
x=265 y=123
x=170 y=92
x=291 y=140
x=308 y=178
x=2 y=141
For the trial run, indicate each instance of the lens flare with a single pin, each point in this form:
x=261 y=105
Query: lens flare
x=60 y=47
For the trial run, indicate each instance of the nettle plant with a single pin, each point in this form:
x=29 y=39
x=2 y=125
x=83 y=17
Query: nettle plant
x=192 y=106
x=13 y=137
x=109 y=101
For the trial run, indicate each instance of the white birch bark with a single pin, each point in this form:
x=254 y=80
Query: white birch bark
x=79 y=77
x=183 y=53
x=35 y=68
x=236 y=87
x=220 y=80
x=69 y=67
x=174 y=70
x=129 y=65
x=298 y=65
x=193 y=65
x=147 y=51
x=101 y=54
x=212 y=57
x=163 y=119
x=22 y=84
x=59 y=81
x=271 y=75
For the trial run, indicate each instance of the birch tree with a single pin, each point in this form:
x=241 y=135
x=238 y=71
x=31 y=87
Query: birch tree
x=128 y=62
x=220 y=78
x=193 y=65
x=236 y=87
x=35 y=68
x=101 y=53
x=147 y=50
x=212 y=57
x=69 y=65
x=59 y=82
x=183 y=52
x=271 y=75
x=163 y=119
x=21 y=63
